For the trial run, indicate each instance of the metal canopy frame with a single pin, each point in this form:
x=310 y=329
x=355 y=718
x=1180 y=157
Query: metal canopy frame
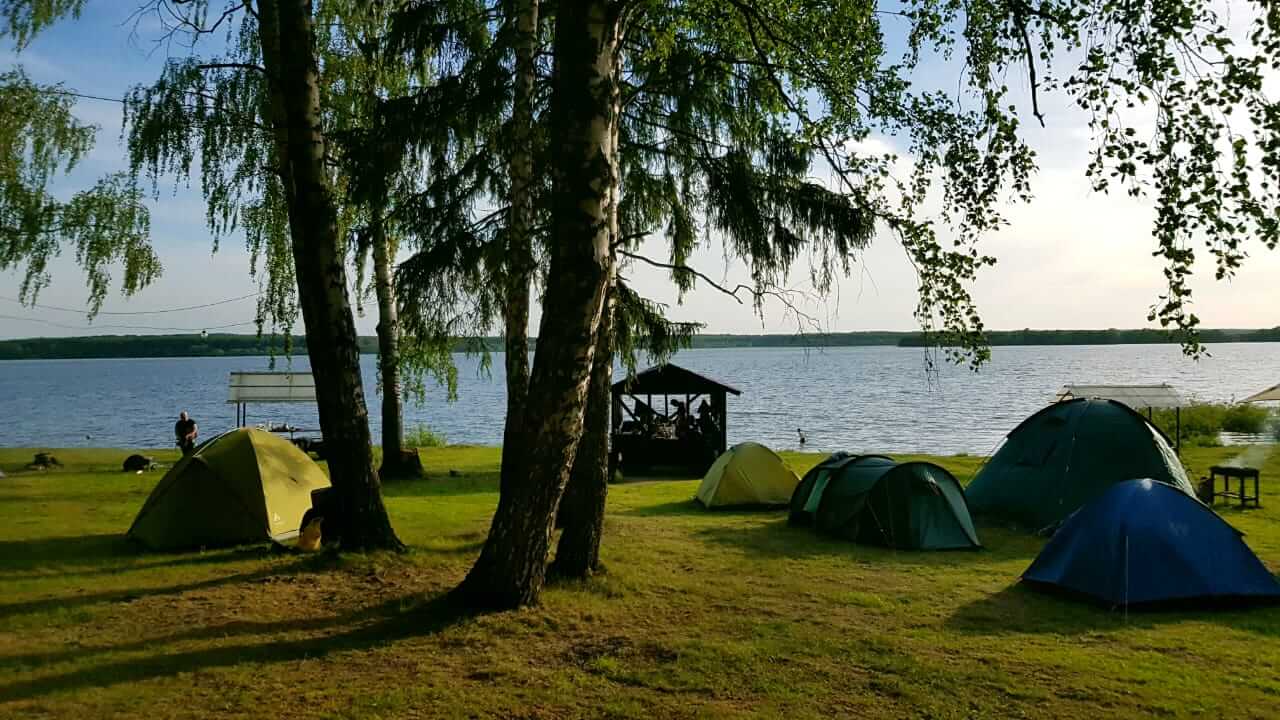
x=247 y=386
x=1162 y=395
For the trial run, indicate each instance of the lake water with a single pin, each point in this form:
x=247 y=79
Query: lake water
x=859 y=399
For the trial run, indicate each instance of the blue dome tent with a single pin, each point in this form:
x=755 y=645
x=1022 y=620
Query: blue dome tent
x=1145 y=542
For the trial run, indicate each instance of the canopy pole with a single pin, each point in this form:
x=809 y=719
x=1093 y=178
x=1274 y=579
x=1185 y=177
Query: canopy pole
x=1177 y=442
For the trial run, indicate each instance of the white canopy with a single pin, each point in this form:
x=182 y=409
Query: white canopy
x=1135 y=396
x=1271 y=393
x=271 y=387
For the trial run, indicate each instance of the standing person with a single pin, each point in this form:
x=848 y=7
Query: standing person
x=185 y=432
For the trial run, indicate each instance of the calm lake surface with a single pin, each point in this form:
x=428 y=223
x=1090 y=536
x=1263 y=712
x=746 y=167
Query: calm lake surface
x=858 y=399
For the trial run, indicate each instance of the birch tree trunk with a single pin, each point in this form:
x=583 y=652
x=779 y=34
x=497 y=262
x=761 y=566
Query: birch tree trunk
x=289 y=56
x=581 y=512
x=582 y=508
x=520 y=247
x=388 y=331
x=512 y=565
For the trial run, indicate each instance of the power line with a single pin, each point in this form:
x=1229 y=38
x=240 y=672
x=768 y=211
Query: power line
x=127 y=327
x=133 y=312
x=73 y=93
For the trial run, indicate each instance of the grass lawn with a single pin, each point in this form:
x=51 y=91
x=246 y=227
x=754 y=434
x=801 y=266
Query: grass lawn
x=700 y=614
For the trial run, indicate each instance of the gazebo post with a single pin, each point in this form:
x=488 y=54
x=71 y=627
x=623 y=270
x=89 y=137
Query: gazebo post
x=615 y=415
x=721 y=413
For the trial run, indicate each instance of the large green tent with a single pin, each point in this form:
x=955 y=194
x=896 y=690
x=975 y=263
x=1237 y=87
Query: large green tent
x=1067 y=454
x=873 y=500
x=244 y=486
x=805 y=499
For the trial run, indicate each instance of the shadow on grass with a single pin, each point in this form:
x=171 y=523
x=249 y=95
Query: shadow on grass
x=471 y=547
x=86 y=554
x=692 y=507
x=28 y=497
x=778 y=539
x=1020 y=609
x=440 y=485
x=678 y=507
x=363 y=629
x=64 y=603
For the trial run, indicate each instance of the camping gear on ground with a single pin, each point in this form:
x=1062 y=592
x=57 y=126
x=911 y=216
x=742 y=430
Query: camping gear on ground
x=1067 y=454
x=244 y=486
x=138 y=463
x=1228 y=473
x=309 y=538
x=44 y=461
x=747 y=474
x=874 y=500
x=1145 y=542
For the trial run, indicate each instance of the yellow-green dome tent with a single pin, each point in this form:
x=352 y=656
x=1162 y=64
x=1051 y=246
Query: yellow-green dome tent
x=243 y=486
x=747 y=474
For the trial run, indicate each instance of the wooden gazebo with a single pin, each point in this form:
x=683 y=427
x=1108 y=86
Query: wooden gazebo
x=674 y=431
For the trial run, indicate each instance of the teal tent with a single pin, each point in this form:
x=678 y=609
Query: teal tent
x=873 y=500
x=1067 y=454
x=807 y=495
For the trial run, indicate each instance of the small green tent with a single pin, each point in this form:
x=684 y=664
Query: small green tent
x=873 y=500
x=243 y=486
x=1067 y=454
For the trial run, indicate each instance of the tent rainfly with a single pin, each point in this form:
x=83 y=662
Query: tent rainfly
x=1066 y=455
x=747 y=475
x=244 y=486
x=874 y=500
x=1271 y=394
x=1137 y=397
x=1143 y=542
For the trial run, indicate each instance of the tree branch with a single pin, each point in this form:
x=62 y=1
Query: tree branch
x=757 y=293
x=1031 y=68
x=232 y=66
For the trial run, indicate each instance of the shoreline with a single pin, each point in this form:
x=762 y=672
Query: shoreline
x=232 y=345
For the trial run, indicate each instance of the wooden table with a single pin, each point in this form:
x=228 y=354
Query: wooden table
x=1243 y=474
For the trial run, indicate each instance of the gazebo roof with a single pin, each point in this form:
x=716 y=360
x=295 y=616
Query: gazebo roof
x=1135 y=396
x=672 y=380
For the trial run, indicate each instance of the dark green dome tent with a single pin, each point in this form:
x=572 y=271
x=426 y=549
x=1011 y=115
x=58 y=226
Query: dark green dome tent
x=804 y=501
x=1067 y=454
x=873 y=500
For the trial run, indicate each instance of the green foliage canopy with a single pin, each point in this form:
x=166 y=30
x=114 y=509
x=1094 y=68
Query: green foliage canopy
x=107 y=224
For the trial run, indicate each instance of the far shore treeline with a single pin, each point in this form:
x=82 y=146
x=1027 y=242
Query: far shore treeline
x=144 y=346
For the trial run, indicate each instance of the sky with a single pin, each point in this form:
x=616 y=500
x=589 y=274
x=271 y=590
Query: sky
x=1070 y=259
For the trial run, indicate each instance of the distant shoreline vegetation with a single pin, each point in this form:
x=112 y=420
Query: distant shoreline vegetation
x=230 y=345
